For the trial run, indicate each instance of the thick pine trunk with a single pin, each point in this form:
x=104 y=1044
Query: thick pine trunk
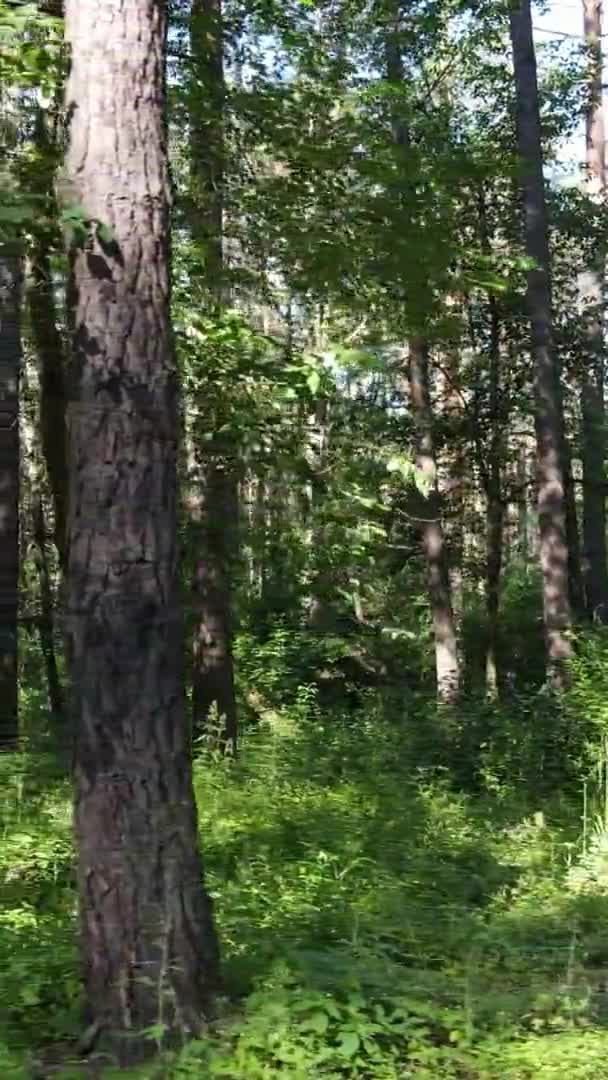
x=592 y=395
x=432 y=536
x=217 y=516
x=10 y=367
x=548 y=407
x=148 y=944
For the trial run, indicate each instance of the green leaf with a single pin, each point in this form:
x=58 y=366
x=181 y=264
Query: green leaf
x=349 y=1044
x=317 y=1022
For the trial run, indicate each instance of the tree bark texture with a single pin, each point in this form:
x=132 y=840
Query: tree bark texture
x=548 y=405
x=592 y=389
x=148 y=945
x=433 y=540
x=10 y=368
x=217 y=516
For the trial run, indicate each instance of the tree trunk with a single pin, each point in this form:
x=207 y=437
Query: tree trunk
x=213 y=669
x=10 y=367
x=494 y=504
x=148 y=945
x=454 y=489
x=49 y=349
x=447 y=663
x=50 y=354
x=592 y=289
x=576 y=592
x=46 y=630
x=206 y=105
x=548 y=407
x=217 y=515
x=433 y=541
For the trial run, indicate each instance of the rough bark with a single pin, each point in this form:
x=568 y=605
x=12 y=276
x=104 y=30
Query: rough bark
x=432 y=537
x=548 y=410
x=148 y=944
x=592 y=389
x=216 y=513
x=10 y=367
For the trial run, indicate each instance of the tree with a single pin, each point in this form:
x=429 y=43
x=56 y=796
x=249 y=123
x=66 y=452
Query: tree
x=148 y=944
x=548 y=407
x=47 y=337
x=214 y=501
x=447 y=664
x=10 y=365
x=432 y=534
x=592 y=288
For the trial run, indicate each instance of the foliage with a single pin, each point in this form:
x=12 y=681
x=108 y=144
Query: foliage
x=376 y=919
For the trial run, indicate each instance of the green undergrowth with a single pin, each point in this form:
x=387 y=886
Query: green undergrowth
x=377 y=920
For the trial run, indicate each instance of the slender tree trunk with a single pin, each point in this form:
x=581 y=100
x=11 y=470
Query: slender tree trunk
x=148 y=944
x=592 y=288
x=49 y=349
x=10 y=368
x=217 y=516
x=213 y=668
x=207 y=99
x=491 y=464
x=494 y=505
x=548 y=408
x=321 y=615
x=433 y=540
x=522 y=483
x=576 y=592
x=50 y=354
x=46 y=630
x=454 y=490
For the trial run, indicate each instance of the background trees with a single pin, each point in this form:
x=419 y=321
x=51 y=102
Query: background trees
x=386 y=318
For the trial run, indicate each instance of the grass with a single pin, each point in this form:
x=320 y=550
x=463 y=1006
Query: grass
x=377 y=921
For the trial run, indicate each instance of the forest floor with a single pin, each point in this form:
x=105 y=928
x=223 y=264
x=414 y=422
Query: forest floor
x=377 y=920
